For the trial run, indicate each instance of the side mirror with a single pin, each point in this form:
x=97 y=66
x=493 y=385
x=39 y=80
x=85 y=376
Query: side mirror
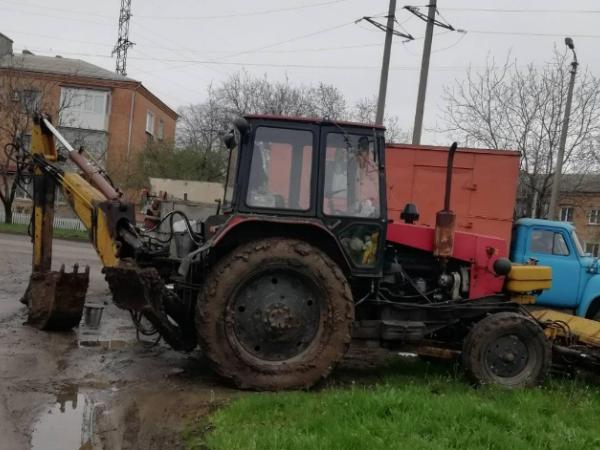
x=229 y=140
x=242 y=125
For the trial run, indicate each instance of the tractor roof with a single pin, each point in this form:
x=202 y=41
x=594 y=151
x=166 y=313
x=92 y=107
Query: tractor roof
x=314 y=120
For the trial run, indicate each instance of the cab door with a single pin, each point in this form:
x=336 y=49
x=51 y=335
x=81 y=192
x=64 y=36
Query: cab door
x=352 y=195
x=552 y=247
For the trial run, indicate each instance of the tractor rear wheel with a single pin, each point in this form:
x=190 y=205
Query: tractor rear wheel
x=275 y=314
x=507 y=349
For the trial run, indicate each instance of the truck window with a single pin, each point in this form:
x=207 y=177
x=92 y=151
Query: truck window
x=548 y=243
x=281 y=167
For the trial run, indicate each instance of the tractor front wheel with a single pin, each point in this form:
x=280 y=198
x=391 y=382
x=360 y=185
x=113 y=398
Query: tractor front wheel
x=275 y=314
x=507 y=349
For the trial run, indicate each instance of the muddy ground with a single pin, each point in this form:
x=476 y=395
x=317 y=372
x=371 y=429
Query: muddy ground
x=98 y=389
x=90 y=389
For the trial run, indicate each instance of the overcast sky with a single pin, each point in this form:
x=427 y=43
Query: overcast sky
x=184 y=45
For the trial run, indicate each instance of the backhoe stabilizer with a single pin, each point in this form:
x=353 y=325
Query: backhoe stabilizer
x=55 y=299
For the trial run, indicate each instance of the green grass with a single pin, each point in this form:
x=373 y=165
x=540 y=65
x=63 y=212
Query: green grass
x=74 y=235
x=413 y=406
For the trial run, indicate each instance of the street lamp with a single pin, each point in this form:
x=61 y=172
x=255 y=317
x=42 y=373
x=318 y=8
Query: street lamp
x=553 y=210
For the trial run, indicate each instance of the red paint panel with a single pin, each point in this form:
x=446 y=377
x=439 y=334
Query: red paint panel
x=483 y=189
x=478 y=250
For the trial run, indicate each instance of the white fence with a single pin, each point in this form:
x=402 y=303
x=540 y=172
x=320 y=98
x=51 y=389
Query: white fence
x=63 y=223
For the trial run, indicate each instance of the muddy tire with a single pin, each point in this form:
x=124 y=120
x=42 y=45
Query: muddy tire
x=507 y=349
x=275 y=314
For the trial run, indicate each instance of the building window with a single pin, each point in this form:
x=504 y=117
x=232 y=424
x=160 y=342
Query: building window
x=592 y=248
x=566 y=214
x=83 y=108
x=594 y=218
x=31 y=100
x=160 y=133
x=150 y=122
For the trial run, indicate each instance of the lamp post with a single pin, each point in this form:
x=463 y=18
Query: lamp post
x=553 y=209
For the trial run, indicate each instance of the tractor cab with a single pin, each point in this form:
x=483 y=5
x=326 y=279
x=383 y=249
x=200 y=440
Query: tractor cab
x=323 y=177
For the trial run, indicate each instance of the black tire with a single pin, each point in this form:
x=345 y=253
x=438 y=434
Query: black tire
x=594 y=310
x=275 y=314
x=507 y=349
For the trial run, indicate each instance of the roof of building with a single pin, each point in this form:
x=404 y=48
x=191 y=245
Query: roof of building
x=59 y=65
x=572 y=182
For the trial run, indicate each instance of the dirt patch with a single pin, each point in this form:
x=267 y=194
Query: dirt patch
x=103 y=389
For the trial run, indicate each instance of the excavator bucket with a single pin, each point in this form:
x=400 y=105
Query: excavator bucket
x=55 y=299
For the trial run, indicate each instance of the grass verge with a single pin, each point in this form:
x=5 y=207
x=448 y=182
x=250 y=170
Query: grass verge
x=73 y=235
x=414 y=405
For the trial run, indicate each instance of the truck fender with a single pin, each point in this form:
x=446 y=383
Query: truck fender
x=591 y=292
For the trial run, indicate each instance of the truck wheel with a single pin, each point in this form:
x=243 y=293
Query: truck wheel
x=275 y=314
x=507 y=349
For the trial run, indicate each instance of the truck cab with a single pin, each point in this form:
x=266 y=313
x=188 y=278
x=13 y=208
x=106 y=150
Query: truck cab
x=575 y=275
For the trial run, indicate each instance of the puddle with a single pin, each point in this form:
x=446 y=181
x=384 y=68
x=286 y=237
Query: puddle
x=66 y=425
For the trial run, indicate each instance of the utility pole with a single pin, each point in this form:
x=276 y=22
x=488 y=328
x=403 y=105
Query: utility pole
x=385 y=66
x=123 y=42
x=418 y=126
x=553 y=209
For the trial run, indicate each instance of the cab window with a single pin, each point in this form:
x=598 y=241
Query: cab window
x=548 y=243
x=280 y=171
x=351 y=176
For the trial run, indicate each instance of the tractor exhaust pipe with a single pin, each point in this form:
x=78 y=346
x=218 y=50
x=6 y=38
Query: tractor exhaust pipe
x=445 y=220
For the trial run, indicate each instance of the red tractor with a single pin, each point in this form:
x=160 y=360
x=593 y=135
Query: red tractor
x=301 y=259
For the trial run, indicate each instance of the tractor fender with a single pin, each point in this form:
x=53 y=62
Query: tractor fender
x=590 y=293
x=241 y=228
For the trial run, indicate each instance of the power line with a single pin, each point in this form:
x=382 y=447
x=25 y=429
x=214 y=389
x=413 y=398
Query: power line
x=54 y=37
x=46 y=15
x=526 y=33
x=54 y=8
x=527 y=11
x=264 y=47
x=240 y=63
x=242 y=14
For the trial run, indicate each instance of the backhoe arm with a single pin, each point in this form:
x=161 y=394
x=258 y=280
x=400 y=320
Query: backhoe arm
x=130 y=263
x=56 y=298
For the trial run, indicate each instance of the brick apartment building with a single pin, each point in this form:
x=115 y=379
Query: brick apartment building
x=580 y=204
x=112 y=116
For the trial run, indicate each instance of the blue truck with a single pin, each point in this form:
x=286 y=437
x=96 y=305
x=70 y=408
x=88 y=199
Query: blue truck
x=575 y=274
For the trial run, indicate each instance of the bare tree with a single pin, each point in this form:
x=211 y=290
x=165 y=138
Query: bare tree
x=243 y=93
x=365 y=111
x=521 y=108
x=20 y=98
x=201 y=126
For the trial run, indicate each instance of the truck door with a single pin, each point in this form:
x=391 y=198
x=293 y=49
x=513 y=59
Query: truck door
x=554 y=248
